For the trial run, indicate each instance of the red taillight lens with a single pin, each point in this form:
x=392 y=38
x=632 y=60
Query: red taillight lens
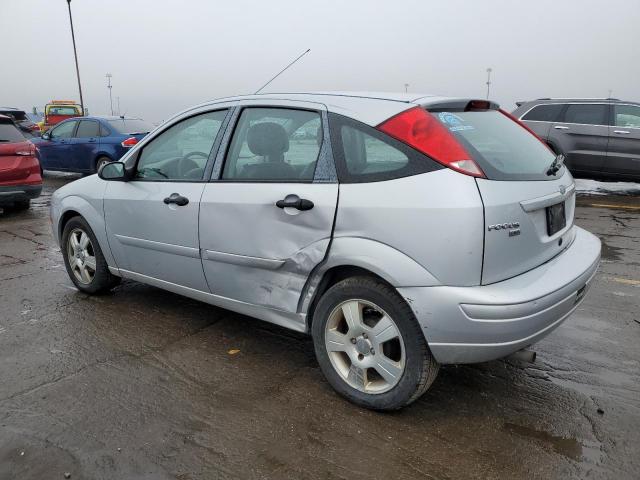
x=129 y=142
x=26 y=149
x=422 y=131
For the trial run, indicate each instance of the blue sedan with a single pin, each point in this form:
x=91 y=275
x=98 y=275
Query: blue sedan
x=83 y=144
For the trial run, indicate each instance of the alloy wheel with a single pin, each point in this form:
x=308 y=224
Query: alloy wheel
x=365 y=346
x=81 y=256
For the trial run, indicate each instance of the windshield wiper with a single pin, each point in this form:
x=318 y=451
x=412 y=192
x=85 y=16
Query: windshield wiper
x=556 y=165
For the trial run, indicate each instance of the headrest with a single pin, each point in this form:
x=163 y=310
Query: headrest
x=267 y=139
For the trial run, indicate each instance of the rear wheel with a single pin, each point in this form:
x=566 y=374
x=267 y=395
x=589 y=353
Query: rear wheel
x=100 y=162
x=370 y=346
x=83 y=258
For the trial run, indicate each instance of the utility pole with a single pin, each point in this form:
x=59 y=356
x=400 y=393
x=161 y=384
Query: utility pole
x=610 y=93
x=109 y=86
x=406 y=87
x=488 y=81
x=75 y=54
x=118 y=102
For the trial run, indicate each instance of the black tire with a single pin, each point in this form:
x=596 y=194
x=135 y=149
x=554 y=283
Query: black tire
x=99 y=161
x=103 y=280
x=20 y=205
x=420 y=369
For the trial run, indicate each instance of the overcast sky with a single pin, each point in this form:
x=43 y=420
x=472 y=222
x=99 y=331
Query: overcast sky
x=168 y=55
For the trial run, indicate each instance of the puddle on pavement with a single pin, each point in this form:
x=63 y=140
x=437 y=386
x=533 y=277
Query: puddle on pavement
x=569 y=447
x=610 y=252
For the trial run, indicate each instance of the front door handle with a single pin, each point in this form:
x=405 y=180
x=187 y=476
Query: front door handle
x=177 y=199
x=622 y=132
x=560 y=127
x=293 y=201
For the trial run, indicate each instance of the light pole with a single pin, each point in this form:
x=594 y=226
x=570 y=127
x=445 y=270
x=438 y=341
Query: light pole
x=75 y=54
x=488 y=81
x=406 y=87
x=109 y=86
x=118 y=102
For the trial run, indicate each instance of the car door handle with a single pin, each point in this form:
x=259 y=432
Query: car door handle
x=293 y=201
x=92 y=140
x=622 y=132
x=177 y=199
x=560 y=127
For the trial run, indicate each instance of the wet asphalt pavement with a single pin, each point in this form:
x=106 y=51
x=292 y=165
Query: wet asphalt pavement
x=144 y=384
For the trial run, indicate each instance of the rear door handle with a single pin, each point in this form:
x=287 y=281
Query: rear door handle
x=622 y=132
x=560 y=127
x=177 y=199
x=293 y=201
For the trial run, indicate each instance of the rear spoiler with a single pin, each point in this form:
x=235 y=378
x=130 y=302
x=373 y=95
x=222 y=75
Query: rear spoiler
x=461 y=105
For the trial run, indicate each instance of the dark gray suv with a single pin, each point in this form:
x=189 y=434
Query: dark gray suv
x=598 y=137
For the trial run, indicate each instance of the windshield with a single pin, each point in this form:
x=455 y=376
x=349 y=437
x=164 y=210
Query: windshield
x=129 y=126
x=9 y=133
x=63 y=111
x=502 y=148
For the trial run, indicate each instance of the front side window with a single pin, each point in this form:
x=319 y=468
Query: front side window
x=274 y=144
x=587 y=114
x=627 y=116
x=544 y=113
x=88 y=129
x=181 y=152
x=64 y=130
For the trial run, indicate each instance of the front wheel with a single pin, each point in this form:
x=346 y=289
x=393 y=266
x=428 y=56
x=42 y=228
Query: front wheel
x=83 y=258
x=370 y=346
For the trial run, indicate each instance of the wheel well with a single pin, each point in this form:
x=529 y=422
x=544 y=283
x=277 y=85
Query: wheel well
x=66 y=216
x=333 y=276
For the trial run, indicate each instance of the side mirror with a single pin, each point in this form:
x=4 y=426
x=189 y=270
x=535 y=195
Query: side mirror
x=113 y=171
x=46 y=136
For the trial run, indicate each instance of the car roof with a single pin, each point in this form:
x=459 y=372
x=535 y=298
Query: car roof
x=100 y=117
x=368 y=107
x=579 y=99
x=11 y=109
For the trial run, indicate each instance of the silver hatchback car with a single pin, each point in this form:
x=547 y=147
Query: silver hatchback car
x=401 y=231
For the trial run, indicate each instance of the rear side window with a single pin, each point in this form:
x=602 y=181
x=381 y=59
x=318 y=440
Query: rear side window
x=586 y=114
x=88 y=129
x=627 y=116
x=274 y=144
x=17 y=115
x=544 y=113
x=9 y=133
x=504 y=149
x=364 y=154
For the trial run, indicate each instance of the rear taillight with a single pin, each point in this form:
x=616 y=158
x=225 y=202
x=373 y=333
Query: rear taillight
x=26 y=150
x=421 y=130
x=129 y=142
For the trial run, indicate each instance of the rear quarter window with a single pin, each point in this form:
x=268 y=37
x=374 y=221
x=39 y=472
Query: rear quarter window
x=364 y=154
x=544 y=113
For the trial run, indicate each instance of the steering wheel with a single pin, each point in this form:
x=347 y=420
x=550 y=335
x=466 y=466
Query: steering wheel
x=186 y=164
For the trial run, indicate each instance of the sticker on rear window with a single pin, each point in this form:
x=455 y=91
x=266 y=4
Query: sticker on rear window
x=453 y=122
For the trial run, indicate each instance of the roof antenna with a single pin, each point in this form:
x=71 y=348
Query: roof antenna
x=282 y=71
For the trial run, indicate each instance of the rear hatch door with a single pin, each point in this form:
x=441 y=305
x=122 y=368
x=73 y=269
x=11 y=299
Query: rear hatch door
x=528 y=207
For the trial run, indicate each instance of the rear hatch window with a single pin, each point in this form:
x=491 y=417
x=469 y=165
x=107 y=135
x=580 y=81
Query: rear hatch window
x=9 y=133
x=504 y=149
x=130 y=126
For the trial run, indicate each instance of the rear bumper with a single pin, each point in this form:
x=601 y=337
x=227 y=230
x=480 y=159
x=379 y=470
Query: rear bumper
x=18 y=193
x=477 y=324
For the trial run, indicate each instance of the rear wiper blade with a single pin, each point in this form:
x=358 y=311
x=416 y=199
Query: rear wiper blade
x=556 y=165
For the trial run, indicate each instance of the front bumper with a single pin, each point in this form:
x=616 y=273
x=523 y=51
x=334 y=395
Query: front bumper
x=18 y=193
x=477 y=324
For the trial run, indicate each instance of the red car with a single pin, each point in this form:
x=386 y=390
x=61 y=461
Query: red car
x=20 y=174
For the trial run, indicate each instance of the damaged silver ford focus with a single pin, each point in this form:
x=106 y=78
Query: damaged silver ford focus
x=401 y=231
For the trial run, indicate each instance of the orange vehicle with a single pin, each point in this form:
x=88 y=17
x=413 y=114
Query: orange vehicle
x=57 y=111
